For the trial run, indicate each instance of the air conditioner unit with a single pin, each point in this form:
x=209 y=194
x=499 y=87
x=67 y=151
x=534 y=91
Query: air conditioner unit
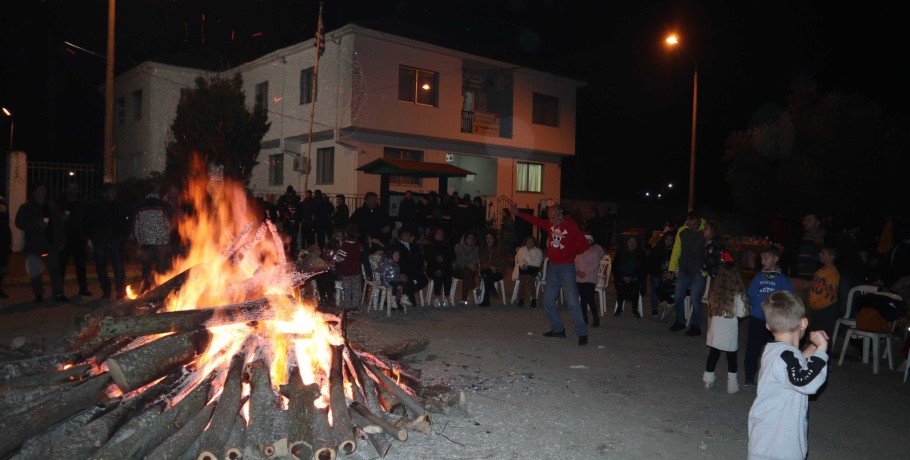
x=301 y=165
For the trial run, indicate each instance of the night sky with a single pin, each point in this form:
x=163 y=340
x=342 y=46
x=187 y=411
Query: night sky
x=634 y=115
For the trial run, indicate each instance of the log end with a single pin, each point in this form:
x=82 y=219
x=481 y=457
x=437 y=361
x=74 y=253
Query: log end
x=301 y=450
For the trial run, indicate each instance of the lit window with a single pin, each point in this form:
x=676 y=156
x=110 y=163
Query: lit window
x=418 y=86
x=530 y=177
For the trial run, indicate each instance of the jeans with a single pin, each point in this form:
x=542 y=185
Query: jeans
x=110 y=253
x=562 y=277
x=696 y=285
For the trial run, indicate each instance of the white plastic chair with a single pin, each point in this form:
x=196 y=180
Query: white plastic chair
x=875 y=338
x=369 y=285
x=846 y=320
x=603 y=281
x=426 y=295
x=499 y=285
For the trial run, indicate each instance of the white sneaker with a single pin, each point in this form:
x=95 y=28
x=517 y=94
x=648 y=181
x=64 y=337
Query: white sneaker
x=708 y=378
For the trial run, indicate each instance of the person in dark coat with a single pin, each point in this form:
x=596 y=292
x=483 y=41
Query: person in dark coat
x=629 y=271
x=45 y=236
x=411 y=263
x=109 y=230
x=658 y=263
x=371 y=218
x=342 y=214
x=439 y=254
x=74 y=210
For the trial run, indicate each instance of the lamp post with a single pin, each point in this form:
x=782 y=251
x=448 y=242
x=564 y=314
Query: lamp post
x=673 y=40
x=12 y=124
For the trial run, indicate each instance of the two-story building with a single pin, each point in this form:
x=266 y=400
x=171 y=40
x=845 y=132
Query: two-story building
x=377 y=96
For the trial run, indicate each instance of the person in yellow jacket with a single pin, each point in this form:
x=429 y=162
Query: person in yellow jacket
x=686 y=262
x=822 y=306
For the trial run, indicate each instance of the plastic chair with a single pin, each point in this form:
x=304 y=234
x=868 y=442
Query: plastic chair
x=426 y=295
x=875 y=338
x=846 y=320
x=603 y=280
x=368 y=285
x=499 y=285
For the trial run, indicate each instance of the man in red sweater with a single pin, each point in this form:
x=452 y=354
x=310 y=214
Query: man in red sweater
x=564 y=241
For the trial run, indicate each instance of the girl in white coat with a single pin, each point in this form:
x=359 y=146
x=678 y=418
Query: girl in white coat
x=727 y=304
x=528 y=260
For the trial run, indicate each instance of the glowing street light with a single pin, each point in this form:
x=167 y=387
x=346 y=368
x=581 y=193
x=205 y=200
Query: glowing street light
x=12 y=124
x=673 y=40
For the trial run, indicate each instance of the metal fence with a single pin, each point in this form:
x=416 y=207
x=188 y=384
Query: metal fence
x=56 y=176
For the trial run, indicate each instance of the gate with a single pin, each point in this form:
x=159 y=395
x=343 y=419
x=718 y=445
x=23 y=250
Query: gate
x=57 y=175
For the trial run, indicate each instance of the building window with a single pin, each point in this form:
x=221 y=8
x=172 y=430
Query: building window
x=545 y=110
x=418 y=86
x=403 y=154
x=307 y=86
x=325 y=166
x=262 y=95
x=137 y=104
x=276 y=169
x=121 y=111
x=530 y=178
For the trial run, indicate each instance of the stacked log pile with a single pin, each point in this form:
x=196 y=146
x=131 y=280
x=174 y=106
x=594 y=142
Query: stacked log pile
x=127 y=384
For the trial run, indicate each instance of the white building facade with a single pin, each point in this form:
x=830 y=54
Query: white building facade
x=378 y=96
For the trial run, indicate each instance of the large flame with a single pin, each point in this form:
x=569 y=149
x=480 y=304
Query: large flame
x=222 y=211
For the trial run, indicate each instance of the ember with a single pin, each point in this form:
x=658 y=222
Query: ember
x=222 y=359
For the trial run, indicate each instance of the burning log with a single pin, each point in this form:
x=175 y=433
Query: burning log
x=139 y=366
x=135 y=425
x=37 y=365
x=285 y=277
x=188 y=320
x=111 y=346
x=421 y=418
x=180 y=441
x=382 y=424
x=266 y=435
x=341 y=419
x=215 y=437
x=300 y=414
x=19 y=427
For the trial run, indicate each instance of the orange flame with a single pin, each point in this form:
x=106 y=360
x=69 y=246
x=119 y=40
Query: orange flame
x=223 y=218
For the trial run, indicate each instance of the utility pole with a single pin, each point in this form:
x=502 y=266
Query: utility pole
x=109 y=96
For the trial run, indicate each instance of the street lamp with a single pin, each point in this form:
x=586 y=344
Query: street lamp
x=673 y=40
x=12 y=124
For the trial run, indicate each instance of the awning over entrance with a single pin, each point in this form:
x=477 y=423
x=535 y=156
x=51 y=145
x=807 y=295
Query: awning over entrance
x=386 y=167
x=413 y=168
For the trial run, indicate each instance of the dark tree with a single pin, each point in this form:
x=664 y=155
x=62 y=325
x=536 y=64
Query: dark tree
x=214 y=123
x=834 y=153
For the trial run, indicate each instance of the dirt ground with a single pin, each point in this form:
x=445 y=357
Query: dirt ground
x=633 y=392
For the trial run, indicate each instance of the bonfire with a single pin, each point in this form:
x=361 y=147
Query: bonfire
x=222 y=359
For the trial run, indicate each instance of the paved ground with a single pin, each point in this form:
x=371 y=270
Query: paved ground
x=634 y=392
